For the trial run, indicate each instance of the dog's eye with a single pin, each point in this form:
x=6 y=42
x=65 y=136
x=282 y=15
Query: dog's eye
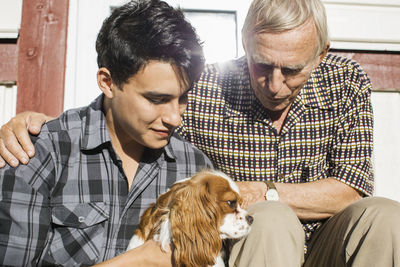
x=232 y=203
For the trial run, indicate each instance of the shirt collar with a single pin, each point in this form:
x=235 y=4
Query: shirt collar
x=316 y=93
x=169 y=150
x=94 y=128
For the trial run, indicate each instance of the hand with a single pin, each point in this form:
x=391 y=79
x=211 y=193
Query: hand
x=15 y=144
x=149 y=254
x=252 y=192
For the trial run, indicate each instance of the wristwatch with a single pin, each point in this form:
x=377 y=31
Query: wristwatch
x=272 y=193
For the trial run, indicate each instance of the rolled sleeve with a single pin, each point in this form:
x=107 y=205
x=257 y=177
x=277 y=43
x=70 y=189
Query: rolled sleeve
x=352 y=151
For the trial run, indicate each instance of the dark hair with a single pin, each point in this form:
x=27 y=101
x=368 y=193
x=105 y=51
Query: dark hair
x=144 y=30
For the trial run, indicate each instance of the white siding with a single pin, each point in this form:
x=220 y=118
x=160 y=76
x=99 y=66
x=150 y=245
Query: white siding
x=8 y=100
x=387 y=144
x=10 y=18
x=364 y=25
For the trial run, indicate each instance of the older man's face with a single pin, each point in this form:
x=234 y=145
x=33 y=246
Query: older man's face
x=281 y=63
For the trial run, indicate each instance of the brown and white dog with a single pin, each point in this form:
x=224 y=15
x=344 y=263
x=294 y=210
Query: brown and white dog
x=194 y=216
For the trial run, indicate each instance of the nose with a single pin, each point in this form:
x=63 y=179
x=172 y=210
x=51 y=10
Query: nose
x=173 y=115
x=249 y=219
x=276 y=80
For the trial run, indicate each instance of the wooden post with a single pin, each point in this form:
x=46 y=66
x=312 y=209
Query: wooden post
x=42 y=56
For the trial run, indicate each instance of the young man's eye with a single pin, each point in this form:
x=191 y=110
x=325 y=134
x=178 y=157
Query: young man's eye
x=156 y=100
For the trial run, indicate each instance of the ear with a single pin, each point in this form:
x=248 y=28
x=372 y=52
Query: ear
x=323 y=53
x=153 y=217
x=105 y=82
x=195 y=223
x=147 y=224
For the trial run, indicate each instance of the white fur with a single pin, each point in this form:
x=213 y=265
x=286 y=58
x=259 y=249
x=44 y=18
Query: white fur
x=165 y=234
x=235 y=225
x=135 y=242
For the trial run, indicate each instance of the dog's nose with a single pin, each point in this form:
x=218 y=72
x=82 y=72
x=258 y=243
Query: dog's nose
x=249 y=219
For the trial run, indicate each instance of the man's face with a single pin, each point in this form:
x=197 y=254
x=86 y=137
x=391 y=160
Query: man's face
x=149 y=106
x=281 y=63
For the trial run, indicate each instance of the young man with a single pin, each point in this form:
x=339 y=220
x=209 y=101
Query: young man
x=300 y=119
x=97 y=168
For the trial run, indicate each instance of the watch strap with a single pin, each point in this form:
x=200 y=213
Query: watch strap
x=272 y=192
x=270 y=185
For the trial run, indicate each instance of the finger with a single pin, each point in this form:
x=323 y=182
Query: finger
x=2 y=162
x=35 y=122
x=10 y=148
x=6 y=156
x=23 y=139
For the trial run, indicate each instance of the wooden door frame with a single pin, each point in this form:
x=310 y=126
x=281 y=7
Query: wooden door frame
x=42 y=48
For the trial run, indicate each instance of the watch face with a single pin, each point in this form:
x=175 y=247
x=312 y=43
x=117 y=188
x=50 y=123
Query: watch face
x=272 y=194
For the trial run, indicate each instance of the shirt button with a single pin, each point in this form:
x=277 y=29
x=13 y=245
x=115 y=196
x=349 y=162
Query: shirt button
x=81 y=219
x=281 y=176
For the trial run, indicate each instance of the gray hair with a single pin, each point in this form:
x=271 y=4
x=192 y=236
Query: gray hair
x=282 y=15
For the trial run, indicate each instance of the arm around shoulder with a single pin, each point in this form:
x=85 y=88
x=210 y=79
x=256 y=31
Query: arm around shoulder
x=15 y=145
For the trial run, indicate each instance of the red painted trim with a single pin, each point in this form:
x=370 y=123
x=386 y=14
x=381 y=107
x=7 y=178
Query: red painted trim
x=42 y=56
x=382 y=68
x=8 y=62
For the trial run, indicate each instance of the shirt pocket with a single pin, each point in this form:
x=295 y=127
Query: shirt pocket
x=77 y=233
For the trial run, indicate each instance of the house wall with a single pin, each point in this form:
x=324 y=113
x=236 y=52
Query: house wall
x=367 y=27
x=10 y=19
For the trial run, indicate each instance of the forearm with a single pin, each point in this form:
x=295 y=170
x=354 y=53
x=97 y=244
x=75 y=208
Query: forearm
x=310 y=201
x=317 y=200
x=147 y=255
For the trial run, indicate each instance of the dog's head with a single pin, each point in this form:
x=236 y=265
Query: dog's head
x=203 y=210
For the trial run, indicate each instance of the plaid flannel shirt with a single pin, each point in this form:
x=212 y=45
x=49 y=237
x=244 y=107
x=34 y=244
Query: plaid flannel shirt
x=71 y=206
x=327 y=133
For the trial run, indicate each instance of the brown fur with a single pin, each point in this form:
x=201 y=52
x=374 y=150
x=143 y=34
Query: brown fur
x=195 y=209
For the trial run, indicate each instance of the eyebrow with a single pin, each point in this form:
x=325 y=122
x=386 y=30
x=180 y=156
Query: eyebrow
x=295 y=67
x=257 y=60
x=157 y=94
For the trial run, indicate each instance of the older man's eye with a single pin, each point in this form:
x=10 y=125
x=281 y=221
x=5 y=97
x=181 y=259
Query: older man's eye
x=232 y=203
x=287 y=71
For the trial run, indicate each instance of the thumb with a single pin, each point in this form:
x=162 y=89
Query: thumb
x=35 y=122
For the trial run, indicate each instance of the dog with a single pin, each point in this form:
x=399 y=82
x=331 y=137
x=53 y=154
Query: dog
x=194 y=217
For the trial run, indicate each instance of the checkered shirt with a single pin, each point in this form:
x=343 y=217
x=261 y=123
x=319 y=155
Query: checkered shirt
x=71 y=206
x=327 y=133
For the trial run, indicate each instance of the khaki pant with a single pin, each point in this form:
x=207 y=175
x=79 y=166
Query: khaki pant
x=367 y=233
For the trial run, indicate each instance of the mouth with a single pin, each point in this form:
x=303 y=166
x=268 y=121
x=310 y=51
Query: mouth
x=275 y=100
x=162 y=133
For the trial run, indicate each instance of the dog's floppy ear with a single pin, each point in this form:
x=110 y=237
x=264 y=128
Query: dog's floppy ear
x=153 y=217
x=194 y=219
